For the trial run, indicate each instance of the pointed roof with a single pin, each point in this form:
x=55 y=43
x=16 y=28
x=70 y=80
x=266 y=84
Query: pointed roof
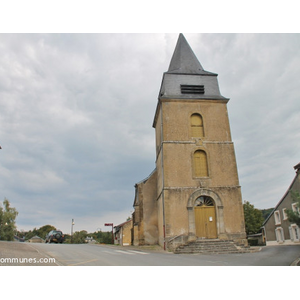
x=184 y=61
x=284 y=196
x=187 y=80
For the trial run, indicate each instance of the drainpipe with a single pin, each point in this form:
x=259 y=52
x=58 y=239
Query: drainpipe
x=163 y=177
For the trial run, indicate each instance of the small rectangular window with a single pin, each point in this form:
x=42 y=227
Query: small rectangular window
x=192 y=89
x=284 y=214
x=277 y=217
x=294 y=207
x=294 y=233
x=279 y=235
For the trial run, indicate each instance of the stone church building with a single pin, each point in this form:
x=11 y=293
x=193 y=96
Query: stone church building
x=194 y=191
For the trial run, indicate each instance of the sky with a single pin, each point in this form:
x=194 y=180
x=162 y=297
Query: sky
x=76 y=113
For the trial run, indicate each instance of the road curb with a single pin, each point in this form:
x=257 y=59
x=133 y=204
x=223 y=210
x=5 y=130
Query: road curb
x=153 y=248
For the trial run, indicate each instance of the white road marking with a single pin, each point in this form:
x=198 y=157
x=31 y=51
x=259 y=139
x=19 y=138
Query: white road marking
x=138 y=252
x=129 y=252
x=124 y=252
x=110 y=252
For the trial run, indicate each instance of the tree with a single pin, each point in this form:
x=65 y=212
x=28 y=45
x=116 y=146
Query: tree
x=266 y=212
x=44 y=230
x=41 y=232
x=7 y=221
x=253 y=218
x=103 y=237
x=294 y=216
x=79 y=237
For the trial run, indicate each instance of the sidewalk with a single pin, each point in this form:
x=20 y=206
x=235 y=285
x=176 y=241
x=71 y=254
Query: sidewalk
x=22 y=254
x=150 y=248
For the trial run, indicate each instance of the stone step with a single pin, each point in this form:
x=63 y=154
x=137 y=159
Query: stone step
x=210 y=246
x=209 y=252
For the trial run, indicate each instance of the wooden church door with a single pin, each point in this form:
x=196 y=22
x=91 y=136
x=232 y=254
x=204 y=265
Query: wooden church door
x=205 y=218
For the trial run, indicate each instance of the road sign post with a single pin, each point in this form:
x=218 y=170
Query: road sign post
x=112 y=231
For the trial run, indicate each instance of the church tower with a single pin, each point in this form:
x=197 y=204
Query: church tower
x=197 y=187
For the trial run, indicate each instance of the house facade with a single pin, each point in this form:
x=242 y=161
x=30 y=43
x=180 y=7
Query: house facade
x=277 y=229
x=123 y=233
x=194 y=191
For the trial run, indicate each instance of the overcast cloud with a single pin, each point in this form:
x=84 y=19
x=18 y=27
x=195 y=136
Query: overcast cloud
x=76 y=113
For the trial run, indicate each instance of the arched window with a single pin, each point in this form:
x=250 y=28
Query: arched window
x=200 y=164
x=197 y=125
x=204 y=201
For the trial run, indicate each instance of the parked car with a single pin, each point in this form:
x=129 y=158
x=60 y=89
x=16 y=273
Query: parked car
x=54 y=236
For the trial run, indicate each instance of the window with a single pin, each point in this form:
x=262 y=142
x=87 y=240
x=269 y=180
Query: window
x=279 y=235
x=294 y=207
x=200 y=164
x=277 y=217
x=284 y=214
x=294 y=232
x=197 y=125
x=204 y=201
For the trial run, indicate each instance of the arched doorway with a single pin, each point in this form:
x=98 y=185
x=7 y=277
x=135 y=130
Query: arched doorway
x=205 y=218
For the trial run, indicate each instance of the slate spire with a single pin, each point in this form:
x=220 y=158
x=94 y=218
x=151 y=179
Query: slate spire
x=186 y=78
x=184 y=61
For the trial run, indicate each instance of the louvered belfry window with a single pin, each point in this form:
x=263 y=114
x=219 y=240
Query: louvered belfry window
x=200 y=164
x=191 y=89
x=197 y=126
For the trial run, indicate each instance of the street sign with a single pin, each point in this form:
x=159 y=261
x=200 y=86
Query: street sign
x=112 y=231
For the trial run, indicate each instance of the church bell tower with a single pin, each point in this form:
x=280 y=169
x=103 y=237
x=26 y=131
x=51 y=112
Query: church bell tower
x=197 y=185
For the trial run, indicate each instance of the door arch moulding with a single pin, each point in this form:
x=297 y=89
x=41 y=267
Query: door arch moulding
x=191 y=215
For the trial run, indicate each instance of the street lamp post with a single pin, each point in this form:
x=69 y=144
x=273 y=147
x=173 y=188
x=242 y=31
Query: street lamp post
x=72 y=231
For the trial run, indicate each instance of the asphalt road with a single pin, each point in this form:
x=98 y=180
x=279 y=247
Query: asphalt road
x=105 y=255
x=23 y=254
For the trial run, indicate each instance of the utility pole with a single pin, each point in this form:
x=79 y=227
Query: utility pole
x=72 y=231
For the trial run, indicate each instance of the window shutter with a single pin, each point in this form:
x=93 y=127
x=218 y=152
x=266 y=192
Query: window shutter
x=200 y=164
x=197 y=126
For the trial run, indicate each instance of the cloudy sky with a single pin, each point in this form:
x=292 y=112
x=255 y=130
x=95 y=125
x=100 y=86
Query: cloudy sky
x=76 y=114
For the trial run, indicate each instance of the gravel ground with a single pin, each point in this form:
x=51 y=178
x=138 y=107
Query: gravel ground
x=22 y=254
